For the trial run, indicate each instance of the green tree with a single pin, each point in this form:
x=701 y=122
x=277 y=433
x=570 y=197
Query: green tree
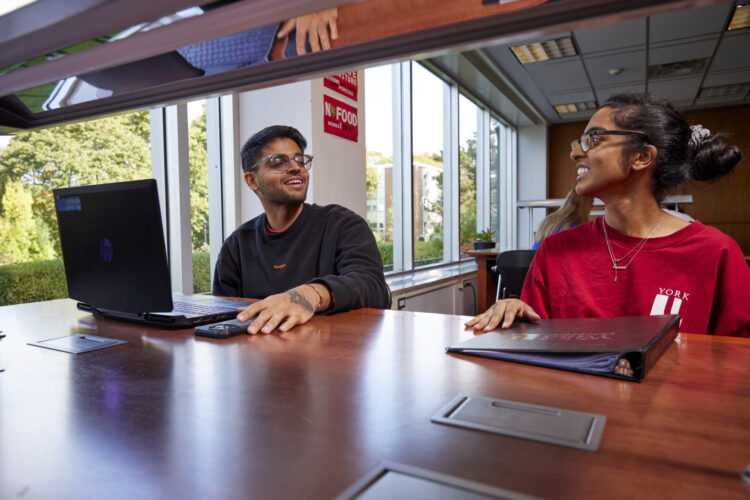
x=22 y=238
x=467 y=185
x=109 y=149
x=199 y=182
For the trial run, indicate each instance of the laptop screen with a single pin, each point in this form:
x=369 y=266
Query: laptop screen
x=113 y=246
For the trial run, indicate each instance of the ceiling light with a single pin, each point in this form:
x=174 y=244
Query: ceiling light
x=679 y=68
x=544 y=51
x=575 y=107
x=725 y=90
x=740 y=18
x=615 y=71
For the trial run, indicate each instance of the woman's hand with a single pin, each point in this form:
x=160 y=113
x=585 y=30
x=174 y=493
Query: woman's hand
x=505 y=311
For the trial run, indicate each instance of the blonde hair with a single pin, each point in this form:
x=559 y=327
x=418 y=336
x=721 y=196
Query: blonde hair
x=575 y=209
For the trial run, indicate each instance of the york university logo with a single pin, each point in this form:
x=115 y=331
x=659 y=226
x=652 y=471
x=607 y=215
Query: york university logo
x=663 y=298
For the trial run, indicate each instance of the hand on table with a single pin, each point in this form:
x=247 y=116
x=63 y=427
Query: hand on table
x=505 y=311
x=282 y=311
x=317 y=25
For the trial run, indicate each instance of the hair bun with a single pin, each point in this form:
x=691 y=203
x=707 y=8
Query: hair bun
x=711 y=157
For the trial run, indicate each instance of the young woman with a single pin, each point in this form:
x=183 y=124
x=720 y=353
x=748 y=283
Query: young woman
x=573 y=212
x=638 y=259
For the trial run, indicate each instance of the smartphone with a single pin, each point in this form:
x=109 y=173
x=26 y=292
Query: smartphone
x=224 y=329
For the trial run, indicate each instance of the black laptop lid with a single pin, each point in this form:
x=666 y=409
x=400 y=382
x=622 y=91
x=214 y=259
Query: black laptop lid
x=113 y=246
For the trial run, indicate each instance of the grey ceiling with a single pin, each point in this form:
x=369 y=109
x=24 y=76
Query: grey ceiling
x=633 y=45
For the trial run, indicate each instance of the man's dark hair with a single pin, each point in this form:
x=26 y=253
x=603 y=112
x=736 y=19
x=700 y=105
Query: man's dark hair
x=681 y=156
x=252 y=151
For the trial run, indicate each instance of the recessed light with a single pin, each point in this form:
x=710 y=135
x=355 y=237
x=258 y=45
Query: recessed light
x=740 y=18
x=544 y=51
x=575 y=107
x=678 y=68
x=725 y=90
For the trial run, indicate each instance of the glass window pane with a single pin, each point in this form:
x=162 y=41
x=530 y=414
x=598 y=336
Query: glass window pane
x=428 y=117
x=494 y=137
x=198 y=158
x=379 y=144
x=32 y=164
x=467 y=169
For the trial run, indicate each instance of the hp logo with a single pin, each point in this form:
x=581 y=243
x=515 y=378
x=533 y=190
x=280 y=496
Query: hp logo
x=106 y=250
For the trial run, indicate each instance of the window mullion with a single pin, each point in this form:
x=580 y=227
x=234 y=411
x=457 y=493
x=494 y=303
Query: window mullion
x=451 y=198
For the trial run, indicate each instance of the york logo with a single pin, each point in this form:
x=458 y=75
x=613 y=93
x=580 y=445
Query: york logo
x=661 y=301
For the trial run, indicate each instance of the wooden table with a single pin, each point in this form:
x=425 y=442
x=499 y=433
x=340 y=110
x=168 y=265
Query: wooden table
x=306 y=413
x=486 y=278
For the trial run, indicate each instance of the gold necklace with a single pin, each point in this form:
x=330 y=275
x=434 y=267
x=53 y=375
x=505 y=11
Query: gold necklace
x=615 y=261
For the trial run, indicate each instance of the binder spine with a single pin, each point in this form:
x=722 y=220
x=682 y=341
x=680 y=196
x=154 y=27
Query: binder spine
x=654 y=352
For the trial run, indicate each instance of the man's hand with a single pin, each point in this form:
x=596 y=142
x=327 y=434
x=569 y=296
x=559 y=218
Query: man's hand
x=505 y=311
x=293 y=307
x=317 y=26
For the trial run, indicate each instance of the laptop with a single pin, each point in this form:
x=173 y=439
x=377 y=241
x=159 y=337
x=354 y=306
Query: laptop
x=116 y=261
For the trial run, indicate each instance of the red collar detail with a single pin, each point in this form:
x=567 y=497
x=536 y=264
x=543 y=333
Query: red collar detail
x=272 y=231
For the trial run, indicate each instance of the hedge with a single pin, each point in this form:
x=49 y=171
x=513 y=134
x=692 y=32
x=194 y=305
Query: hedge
x=32 y=282
x=45 y=280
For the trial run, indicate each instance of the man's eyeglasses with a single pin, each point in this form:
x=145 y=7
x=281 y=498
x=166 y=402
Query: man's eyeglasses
x=587 y=139
x=283 y=163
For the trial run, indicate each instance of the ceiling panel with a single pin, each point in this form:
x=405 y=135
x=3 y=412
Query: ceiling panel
x=715 y=79
x=558 y=76
x=733 y=52
x=571 y=97
x=604 y=93
x=674 y=52
x=632 y=65
x=689 y=23
x=631 y=33
x=677 y=90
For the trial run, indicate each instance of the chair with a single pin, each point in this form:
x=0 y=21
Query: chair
x=511 y=267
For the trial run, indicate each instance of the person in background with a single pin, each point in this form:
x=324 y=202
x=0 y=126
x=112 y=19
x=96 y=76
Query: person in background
x=638 y=259
x=574 y=211
x=300 y=259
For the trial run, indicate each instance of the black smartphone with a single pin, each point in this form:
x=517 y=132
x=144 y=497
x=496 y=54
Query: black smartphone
x=224 y=329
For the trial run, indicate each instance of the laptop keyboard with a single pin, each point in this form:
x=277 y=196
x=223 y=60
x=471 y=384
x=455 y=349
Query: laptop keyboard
x=199 y=309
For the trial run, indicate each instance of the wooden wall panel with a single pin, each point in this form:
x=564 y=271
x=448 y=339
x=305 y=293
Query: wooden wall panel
x=724 y=203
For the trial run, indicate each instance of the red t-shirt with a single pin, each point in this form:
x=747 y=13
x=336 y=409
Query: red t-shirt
x=697 y=272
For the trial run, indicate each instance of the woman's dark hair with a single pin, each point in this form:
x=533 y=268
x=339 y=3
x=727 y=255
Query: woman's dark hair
x=684 y=152
x=253 y=149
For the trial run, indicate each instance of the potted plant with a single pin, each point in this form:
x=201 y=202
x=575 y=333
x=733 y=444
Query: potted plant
x=484 y=240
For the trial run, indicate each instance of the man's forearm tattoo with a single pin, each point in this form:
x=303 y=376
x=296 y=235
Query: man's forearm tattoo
x=297 y=298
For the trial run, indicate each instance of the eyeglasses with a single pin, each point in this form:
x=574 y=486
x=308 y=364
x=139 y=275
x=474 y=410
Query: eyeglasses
x=282 y=163
x=587 y=139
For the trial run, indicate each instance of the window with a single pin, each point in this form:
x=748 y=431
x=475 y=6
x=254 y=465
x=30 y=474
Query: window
x=379 y=143
x=32 y=163
x=494 y=159
x=467 y=168
x=428 y=117
x=198 y=158
x=439 y=167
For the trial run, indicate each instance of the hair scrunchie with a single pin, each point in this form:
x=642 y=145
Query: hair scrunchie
x=697 y=134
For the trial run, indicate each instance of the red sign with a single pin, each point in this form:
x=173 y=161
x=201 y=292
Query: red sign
x=340 y=119
x=345 y=84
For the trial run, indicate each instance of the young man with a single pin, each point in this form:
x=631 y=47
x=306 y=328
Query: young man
x=299 y=258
